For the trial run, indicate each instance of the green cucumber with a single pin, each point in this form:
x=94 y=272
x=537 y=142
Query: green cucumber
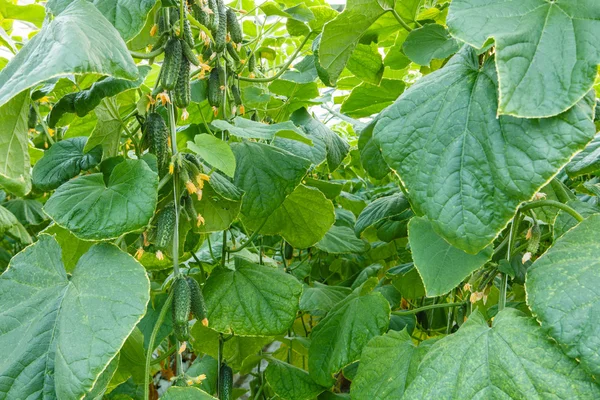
x=181 y=302
x=233 y=26
x=182 y=93
x=156 y=137
x=225 y=382
x=220 y=34
x=198 y=306
x=171 y=64
x=214 y=89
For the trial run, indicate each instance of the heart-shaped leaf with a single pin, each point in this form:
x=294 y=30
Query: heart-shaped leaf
x=562 y=291
x=546 y=50
x=15 y=165
x=253 y=300
x=63 y=161
x=291 y=383
x=59 y=333
x=93 y=210
x=465 y=169
x=513 y=359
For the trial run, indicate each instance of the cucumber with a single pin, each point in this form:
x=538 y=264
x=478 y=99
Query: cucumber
x=288 y=251
x=214 y=17
x=233 y=52
x=188 y=52
x=156 y=138
x=165 y=228
x=251 y=63
x=237 y=98
x=182 y=93
x=198 y=306
x=187 y=33
x=171 y=64
x=182 y=332
x=225 y=382
x=220 y=34
x=31 y=118
x=181 y=302
x=233 y=26
x=214 y=92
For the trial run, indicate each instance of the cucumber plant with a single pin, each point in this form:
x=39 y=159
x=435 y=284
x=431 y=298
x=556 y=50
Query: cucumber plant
x=294 y=200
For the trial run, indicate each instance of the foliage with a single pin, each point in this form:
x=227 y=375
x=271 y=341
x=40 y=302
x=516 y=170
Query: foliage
x=203 y=199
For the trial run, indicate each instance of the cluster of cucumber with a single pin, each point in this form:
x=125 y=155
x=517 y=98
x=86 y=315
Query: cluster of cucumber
x=187 y=297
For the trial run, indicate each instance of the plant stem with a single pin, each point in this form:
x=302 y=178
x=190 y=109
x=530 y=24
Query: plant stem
x=224 y=248
x=553 y=203
x=219 y=362
x=400 y=20
x=425 y=308
x=159 y=321
x=151 y=54
x=283 y=69
x=249 y=240
x=44 y=126
x=164 y=356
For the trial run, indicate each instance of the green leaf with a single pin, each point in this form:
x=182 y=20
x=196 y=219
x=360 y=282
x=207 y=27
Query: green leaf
x=253 y=300
x=465 y=169
x=330 y=189
x=565 y=221
x=103 y=381
x=9 y=224
x=337 y=148
x=14 y=157
x=407 y=280
x=561 y=292
x=340 y=240
x=291 y=383
x=28 y=211
x=322 y=13
x=217 y=210
x=441 y=265
x=339 y=338
x=370 y=153
x=512 y=359
x=321 y=297
x=366 y=63
x=248 y=129
x=302 y=220
x=107 y=131
x=388 y=364
x=380 y=209
x=72 y=247
x=298 y=13
x=586 y=162
x=56 y=51
x=431 y=41
x=235 y=350
x=367 y=99
x=60 y=333
x=341 y=35
x=63 y=161
x=546 y=51
x=267 y=175
x=186 y=393
x=215 y=152
x=92 y=210
x=33 y=13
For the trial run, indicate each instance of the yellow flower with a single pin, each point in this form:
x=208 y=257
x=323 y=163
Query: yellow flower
x=185 y=114
x=205 y=322
x=171 y=168
x=164 y=98
x=200 y=220
x=153 y=30
x=191 y=188
x=139 y=253
x=159 y=255
x=199 y=194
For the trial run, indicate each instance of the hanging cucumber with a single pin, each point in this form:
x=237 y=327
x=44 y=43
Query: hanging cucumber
x=233 y=26
x=182 y=93
x=189 y=53
x=31 y=118
x=233 y=52
x=198 y=306
x=214 y=17
x=171 y=64
x=225 y=382
x=220 y=35
x=214 y=91
x=165 y=227
x=251 y=63
x=181 y=301
x=156 y=138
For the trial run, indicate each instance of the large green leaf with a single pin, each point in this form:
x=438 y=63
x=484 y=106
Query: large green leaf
x=248 y=129
x=79 y=40
x=366 y=63
x=63 y=161
x=214 y=151
x=586 y=162
x=339 y=338
x=107 y=131
x=291 y=383
x=380 y=209
x=321 y=297
x=9 y=224
x=441 y=265
x=14 y=157
x=302 y=220
x=33 y=13
x=267 y=175
x=217 y=210
x=337 y=148
x=341 y=239
x=93 y=210
x=388 y=364
x=341 y=35
x=367 y=99
x=253 y=300
x=370 y=153
x=72 y=247
x=59 y=333
x=28 y=211
x=128 y=16
x=562 y=292
x=186 y=393
x=546 y=51
x=513 y=359
x=429 y=42
x=465 y=169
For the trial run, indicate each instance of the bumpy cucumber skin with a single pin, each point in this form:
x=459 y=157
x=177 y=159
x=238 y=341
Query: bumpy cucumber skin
x=288 y=251
x=182 y=332
x=182 y=93
x=165 y=227
x=198 y=305
x=181 y=302
x=214 y=18
x=235 y=30
x=251 y=63
x=220 y=35
x=214 y=89
x=233 y=53
x=171 y=64
x=225 y=382
x=189 y=53
x=156 y=136
x=237 y=98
